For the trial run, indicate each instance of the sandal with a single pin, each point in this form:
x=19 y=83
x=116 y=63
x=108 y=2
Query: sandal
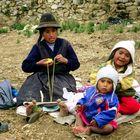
x=33 y=117
x=3 y=127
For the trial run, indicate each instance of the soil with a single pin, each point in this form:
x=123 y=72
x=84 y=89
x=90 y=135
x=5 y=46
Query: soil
x=92 y=49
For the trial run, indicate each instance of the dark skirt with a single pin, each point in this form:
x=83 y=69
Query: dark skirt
x=36 y=87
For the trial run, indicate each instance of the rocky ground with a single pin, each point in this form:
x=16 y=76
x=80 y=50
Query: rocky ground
x=92 y=49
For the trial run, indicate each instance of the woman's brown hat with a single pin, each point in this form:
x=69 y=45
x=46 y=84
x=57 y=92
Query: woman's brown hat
x=48 y=20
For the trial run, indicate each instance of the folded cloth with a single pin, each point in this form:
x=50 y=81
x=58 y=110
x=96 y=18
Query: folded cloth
x=3 y=127
x=127 y=118
x=21 y=110
x=65 y=120
x=51 y=108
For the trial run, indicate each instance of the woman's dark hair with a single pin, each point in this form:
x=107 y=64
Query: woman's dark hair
x=40 y=35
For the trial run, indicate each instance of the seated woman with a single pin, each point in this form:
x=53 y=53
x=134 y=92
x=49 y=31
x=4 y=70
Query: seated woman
x=50 y=60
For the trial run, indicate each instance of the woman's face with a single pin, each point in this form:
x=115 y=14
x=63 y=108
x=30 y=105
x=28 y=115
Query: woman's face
x=105 y=85
x=50 y=34
x=121 y=57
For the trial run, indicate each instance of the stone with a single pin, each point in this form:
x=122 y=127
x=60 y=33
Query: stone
x=54 y=7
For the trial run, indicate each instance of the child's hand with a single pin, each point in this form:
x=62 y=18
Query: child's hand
x=88 y=84
x=78 y=108
x=93 y=123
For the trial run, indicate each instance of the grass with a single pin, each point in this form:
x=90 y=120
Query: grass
x=134 y=29
x=90 y=27
x=118 y=29
x=18 y=26
x=70 y=24
x=28 y=33
x=3 y=30
x=76 y=27
x=18 y=41
x=138 y=44
x=103 y=26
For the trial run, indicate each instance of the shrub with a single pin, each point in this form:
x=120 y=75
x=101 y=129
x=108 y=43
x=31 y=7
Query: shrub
x=69 y=25
x=103 y=26
x=18 y=26
x=81 y=28
x=3 y=30
x=90 y=27
x=28 y=33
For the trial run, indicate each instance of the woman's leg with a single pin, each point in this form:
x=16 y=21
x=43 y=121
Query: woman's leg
x=128 y=105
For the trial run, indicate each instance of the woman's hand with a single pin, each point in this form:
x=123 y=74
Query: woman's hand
x=45 y=62
x=61 y=59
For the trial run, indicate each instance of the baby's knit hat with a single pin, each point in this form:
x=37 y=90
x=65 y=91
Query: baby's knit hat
x=128 y=45
x=108 y=72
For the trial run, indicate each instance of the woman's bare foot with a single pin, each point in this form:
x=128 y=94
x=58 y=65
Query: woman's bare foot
x=81 y=130
x=29 y=107
x=63 y=108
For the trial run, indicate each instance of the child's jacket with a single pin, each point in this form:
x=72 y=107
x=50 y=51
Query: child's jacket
x=101 y=107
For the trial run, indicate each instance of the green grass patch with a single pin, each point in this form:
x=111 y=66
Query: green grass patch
x=134 y=29
x=138 y=44
x=3 y=30
x=69 y=25
x=76 y=27
x=18 y=26
x=118 y=29
x=103 y=26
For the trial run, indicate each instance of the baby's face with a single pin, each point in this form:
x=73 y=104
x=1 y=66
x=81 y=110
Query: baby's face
x=121 y=57
x=105 y=85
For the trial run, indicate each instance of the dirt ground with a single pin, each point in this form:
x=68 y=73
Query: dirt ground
x=92 y=49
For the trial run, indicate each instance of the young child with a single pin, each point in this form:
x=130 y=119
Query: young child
x=121 y=58
x=97 y=110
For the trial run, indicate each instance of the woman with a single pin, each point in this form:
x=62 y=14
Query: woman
x=50 y=60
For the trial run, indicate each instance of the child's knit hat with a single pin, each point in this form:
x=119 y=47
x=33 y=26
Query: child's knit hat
x=129 y=45
x=108 y=72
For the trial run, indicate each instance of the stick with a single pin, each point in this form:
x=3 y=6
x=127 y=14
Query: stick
x=42 y=103
x=49 y=84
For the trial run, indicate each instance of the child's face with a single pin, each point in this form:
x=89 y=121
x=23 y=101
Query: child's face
x=50 y=34
x=121 y=57
x=105 y=85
